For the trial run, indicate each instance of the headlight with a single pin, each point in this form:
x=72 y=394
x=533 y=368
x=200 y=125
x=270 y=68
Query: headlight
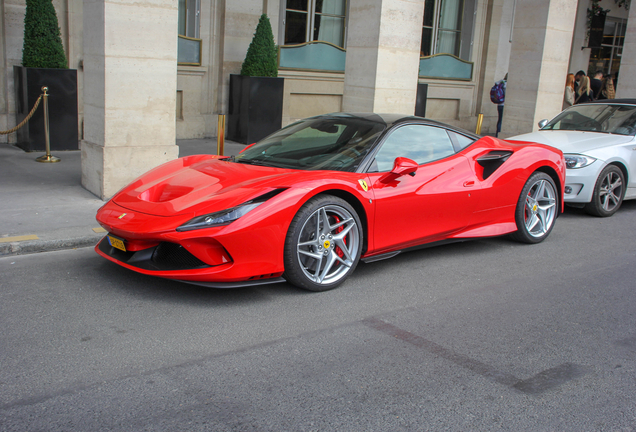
x=225 y=217
x=577 y=161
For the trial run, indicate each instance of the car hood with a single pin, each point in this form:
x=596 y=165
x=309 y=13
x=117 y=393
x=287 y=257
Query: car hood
x=574 y=141
x=201 y=187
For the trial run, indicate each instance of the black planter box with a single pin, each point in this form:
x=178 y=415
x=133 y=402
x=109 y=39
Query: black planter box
x=256 y=108
x=62 y=84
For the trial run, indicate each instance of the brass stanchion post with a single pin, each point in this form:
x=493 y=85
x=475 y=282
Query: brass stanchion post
x=220 y=135
x=47 y=157
x=480 y=120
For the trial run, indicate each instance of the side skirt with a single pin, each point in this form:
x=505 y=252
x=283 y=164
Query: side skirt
x=388 y=255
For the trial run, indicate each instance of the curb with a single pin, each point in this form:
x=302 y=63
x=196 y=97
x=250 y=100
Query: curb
x=35 y=246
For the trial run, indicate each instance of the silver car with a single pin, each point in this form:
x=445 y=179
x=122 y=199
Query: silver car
x=598 y=143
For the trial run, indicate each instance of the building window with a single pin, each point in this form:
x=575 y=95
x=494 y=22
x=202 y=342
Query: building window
x=189 y=44
x=189 y=11
x=315 y=20
x=608 y=57
x=448 y=28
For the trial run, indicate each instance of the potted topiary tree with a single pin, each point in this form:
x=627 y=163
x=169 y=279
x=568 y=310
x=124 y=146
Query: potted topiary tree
x=256 y=95
x=44 y=64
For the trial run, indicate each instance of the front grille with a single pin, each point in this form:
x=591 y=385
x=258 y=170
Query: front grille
x=164 y=257
x=172 y=256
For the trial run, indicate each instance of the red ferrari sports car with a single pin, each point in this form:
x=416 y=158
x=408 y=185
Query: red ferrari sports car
x=308 y=202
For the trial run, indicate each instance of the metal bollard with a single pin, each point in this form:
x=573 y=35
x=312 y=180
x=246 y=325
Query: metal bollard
x=47 y=157
x=480 y=119
x=220 y=135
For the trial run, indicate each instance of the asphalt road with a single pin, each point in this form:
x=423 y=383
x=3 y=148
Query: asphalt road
x=483 y=335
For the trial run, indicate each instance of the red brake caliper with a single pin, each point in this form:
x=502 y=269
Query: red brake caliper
x=339 y=251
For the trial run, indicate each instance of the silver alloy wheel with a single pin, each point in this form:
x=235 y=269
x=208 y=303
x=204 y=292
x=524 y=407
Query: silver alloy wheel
x=540 y=208
x=611 y=191
x=328 y=244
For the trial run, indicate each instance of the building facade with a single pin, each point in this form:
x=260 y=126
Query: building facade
x=335 y=55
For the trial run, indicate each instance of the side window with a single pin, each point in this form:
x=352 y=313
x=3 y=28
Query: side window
x=418 y=142
x=462 y=141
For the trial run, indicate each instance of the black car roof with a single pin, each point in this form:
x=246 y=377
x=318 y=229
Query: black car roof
x=614 y=101
x=394 y=119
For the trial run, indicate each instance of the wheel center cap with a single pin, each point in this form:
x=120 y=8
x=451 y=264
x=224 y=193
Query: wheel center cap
x=326 y=244
x=534 y=208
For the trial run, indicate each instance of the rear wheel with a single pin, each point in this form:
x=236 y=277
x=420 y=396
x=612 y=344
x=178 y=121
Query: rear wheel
x=536 y=209
x=323 y=244
x=608 y=192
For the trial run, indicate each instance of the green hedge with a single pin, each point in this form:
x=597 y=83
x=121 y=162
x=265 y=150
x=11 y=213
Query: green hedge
x=42 y=38
x=262 y=56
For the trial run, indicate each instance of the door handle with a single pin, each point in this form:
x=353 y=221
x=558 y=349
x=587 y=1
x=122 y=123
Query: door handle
x=469 y=183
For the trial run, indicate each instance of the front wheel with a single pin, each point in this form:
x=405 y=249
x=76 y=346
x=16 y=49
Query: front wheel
x=536 y=209
x=608 y=192
x=323 y=244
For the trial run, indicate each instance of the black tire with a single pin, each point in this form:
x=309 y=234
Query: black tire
x=609 y=191
x=537 y=209
x=319 y=256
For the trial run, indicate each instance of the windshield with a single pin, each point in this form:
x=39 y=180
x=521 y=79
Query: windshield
x=321 y=143
x=615 y=119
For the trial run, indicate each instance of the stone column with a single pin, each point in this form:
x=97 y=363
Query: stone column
x=11 y=41
x=383 y=52
x=130 y=78
x=626 y=87
x=541 y=43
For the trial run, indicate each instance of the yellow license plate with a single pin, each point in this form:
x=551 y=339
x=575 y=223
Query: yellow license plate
x=116 y=242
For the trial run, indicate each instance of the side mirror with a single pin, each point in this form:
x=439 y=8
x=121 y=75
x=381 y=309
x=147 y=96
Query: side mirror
x=403 y=166
x=542 y=123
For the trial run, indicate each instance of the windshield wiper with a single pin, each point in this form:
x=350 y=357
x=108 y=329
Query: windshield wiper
x=252 y=162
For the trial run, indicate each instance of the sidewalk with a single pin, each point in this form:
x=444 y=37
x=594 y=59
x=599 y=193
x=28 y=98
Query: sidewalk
x=44 y=206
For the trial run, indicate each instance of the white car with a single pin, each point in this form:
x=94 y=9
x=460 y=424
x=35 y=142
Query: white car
x=597 y=140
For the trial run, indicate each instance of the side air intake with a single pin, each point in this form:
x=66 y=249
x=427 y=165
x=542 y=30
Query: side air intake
x=491 y=161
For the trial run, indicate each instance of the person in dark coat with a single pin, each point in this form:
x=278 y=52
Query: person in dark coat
x=596 y=83
x=500 y=106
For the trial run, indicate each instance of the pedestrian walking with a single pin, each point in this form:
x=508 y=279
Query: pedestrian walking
x=498 y=96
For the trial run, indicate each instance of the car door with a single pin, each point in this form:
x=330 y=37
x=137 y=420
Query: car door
x=431 y=204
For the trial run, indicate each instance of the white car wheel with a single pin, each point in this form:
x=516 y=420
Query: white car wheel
x=608 y=192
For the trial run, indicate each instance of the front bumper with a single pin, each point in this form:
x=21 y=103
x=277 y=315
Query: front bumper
x=167 y=257
x=224 y=256
x=581 y=182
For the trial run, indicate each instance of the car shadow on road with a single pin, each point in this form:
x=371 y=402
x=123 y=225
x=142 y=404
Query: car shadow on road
x=127 y=282
x=574 y=212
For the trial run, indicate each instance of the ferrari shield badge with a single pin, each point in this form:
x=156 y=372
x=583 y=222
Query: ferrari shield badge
x=122 y=215
x=364 y=184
